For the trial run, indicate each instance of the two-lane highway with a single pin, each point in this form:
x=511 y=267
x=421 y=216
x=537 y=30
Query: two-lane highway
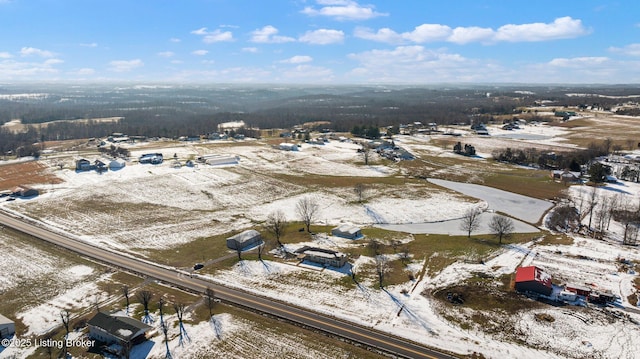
x=353 y=332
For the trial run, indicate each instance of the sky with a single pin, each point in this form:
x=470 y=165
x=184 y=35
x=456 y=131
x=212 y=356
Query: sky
x=321 y=41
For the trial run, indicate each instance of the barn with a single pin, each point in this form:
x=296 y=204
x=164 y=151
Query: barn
x=533 y=279
x=117 y=164
x=244 y=239
x=347 y=231
x=7 y=327
x=109 y=329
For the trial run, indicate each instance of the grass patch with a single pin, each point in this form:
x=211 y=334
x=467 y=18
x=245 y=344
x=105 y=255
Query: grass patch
x=556 y=239
x=527 y=182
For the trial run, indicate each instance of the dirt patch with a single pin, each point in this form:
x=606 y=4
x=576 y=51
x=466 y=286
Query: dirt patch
x=26 y=173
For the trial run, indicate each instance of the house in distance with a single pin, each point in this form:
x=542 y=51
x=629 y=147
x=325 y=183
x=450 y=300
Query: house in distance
x=347 y=231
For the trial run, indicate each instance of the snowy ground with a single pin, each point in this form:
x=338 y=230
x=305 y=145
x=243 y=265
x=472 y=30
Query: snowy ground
x=144 y=206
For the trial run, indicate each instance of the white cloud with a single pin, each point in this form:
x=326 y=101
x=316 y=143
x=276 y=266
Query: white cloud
x=210 y=37
x=322 y=37
x=166 y=54
x=631 y=49
x=84 y=72
x=5 y=55
x=464 y=35
x=32 y=51
x=268 y=34
x=342 y=10
x=308 y=73
x=174 y=39
x=199 y=52
x=299 y=59
x=125 y=65
x=578 y=62
x=92 y=44
x=252 y=50
x=560 y=28
x=10 y=69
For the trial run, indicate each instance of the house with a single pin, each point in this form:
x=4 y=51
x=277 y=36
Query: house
x=110 y=329
x=24 y=191
x=347 y=231
x=565 y=176
x=244 y=239
x=117 y=164
x=533 y=279
x=7 y=327
x=322 y=256
x=83 y=165
x=215 y=160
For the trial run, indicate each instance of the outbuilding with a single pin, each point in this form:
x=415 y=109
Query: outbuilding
x=117 y=164
x=83 y=165
x=24 y=191
x=286 y=146
x=322 y=256
x=347 y=231
x=110 y=329
x=533 y=279
x=244 y=239
x=7 y=327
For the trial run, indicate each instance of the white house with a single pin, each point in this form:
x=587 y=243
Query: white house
x=7 y=327
x=347 y=231
x=323 y=256
x=244 y=239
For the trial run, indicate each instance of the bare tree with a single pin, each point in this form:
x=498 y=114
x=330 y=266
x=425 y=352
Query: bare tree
x=210 y=300
x=276 y=224
x=307 y=209
x=238 y=249
x=376 y=247
x=125 y=293
x=65 y=317
x=382 y=268
x=405 y=255
x=144 y=296
x=180 y=309
x=501 y=227
x=592 y=202
x=359 y=189
x=471 y=221
x=165 y=329
x=366 y=153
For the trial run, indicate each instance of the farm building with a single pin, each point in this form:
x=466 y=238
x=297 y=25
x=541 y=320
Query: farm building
x=116 y=164
x=7 y=327
x=109 y=329
x=153 y=158
x=347 y=231
x=285 y=146
x=533 y=279
x=215 y=160
x=565 y=176
x=322 y=256
x=24 y=191
x=83 y=165
x=244 y=239
x=578 y=289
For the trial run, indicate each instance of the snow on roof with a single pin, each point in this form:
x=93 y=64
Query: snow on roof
x=245 y=236
x=5 y=320
x=324 y=254
x=347 y=228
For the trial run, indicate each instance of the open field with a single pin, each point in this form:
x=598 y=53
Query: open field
x=180 y=216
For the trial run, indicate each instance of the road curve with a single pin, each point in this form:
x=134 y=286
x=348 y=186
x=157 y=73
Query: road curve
x=301 y=316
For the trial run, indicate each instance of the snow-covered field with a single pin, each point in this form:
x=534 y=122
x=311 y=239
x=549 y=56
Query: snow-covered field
x=145 y=206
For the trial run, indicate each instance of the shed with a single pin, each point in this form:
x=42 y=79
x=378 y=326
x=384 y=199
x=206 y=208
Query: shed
x=244 y=239
x=109 y=329
x=533 y=279
x=347 y=231
x=116 y=164
x=285 y=146
x=579 y=289
x=7 y=327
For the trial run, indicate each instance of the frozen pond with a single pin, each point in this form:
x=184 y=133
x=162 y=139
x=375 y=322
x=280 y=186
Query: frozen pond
x=522 y=207
x=452 y=227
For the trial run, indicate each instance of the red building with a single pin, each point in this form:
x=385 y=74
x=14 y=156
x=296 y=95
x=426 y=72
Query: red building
x=533 y=279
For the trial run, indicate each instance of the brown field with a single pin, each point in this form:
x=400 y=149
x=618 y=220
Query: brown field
x=26 y=173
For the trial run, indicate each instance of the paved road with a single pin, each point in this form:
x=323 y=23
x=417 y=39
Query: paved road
x=305 y=317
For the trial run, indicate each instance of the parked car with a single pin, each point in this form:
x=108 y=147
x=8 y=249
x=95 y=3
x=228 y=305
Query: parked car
x=198 y=266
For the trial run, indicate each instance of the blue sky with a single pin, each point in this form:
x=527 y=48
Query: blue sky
x=321 y=41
